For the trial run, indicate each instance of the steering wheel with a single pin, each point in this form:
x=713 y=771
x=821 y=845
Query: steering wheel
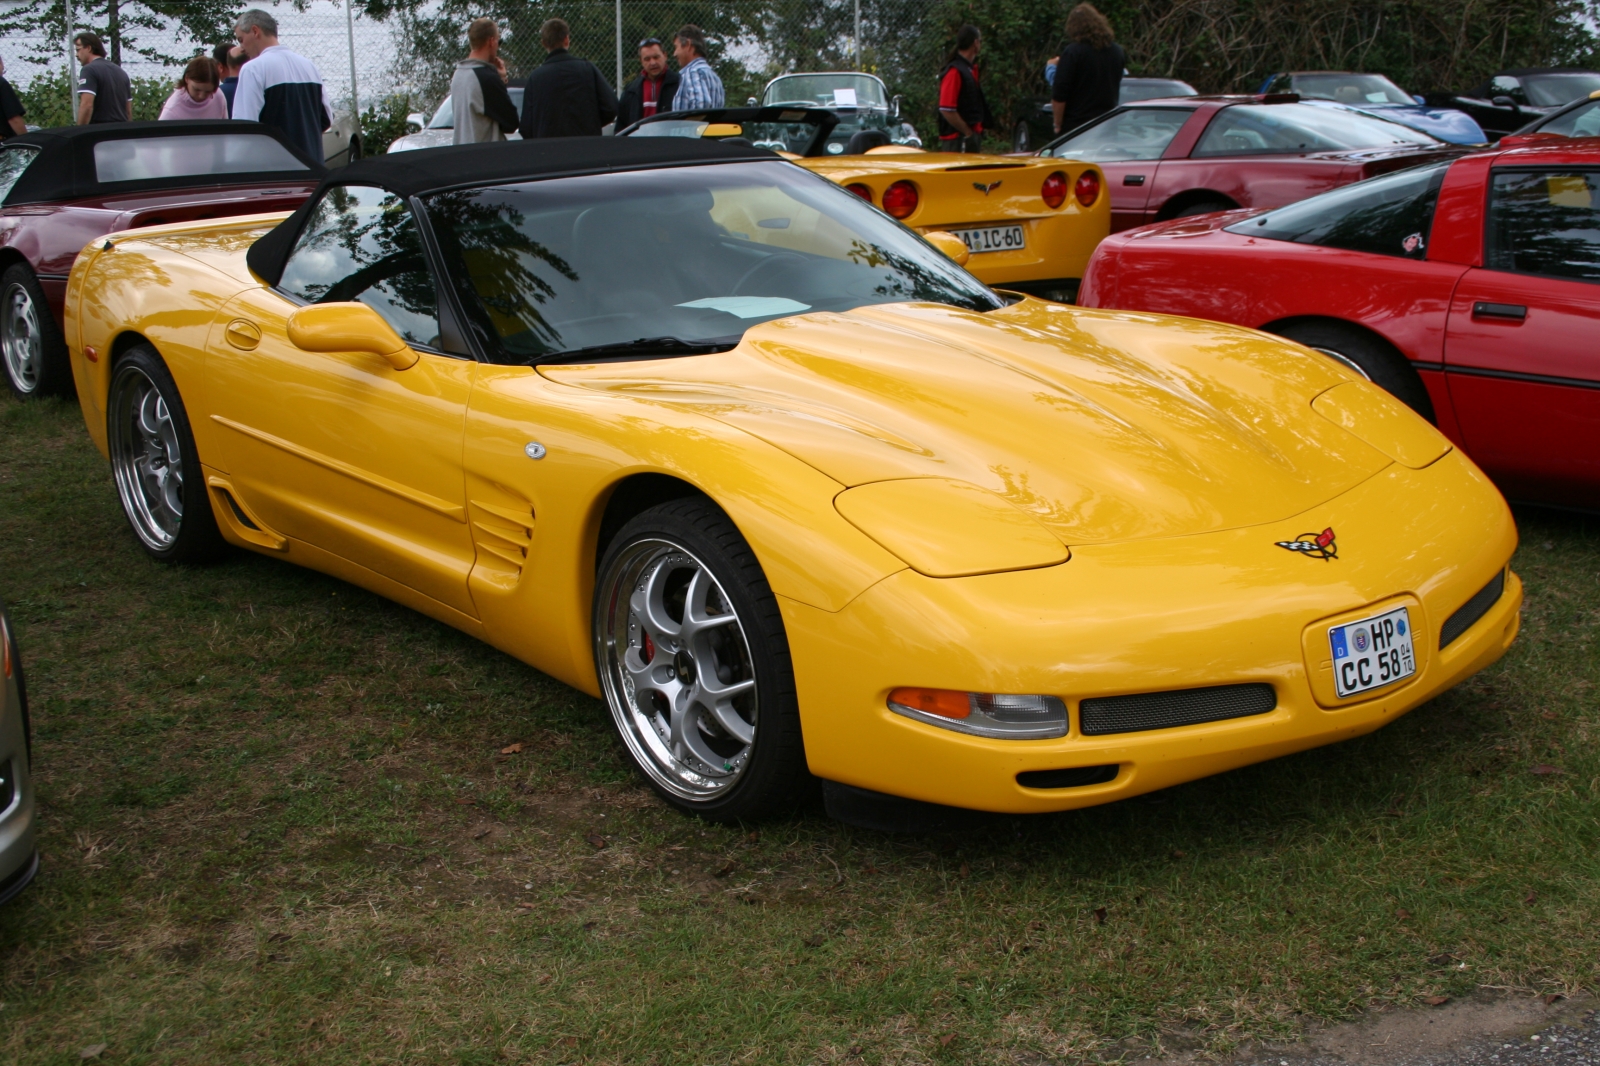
x=779 y=259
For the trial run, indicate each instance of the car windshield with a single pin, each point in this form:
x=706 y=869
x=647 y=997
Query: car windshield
x=1269 y=129
x=1579 y=122
x=797 y=137
x=1135 y=89
x=1353 y=89
x=826 y=90
x=685 y=259
x=13 y=161
x=445 y=117
x=1387 y=215
x=1137 y=133
x=1553 y=90
x=144 y=158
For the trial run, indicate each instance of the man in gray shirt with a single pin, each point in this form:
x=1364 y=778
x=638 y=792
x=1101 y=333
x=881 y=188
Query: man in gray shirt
x=104 y=92
x=482 y=106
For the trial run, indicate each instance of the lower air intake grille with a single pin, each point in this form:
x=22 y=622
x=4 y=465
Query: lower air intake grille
x=1473 y=610
x=1076 y=777
x=1162 y=710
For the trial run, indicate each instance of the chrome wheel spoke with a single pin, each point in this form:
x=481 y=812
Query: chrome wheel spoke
x=676 y=670
x=20 y=339
x=146 y=458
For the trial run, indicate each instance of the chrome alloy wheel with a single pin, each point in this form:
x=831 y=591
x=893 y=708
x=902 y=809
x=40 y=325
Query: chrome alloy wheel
x=145 y=458
x=21 y=338
x=676 y=669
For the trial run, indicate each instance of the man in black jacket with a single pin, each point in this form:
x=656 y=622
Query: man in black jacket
x=963 y=112
x=1088 y=71
x=566 y=96
x=652 y=91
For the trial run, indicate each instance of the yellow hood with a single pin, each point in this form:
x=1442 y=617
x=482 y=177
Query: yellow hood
x=1105 y=426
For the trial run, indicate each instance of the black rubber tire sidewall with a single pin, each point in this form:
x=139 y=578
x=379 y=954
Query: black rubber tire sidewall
x=776 y=779
x=1383 y=365
x=1204 y=207
x=198 y=540
x=55 y=376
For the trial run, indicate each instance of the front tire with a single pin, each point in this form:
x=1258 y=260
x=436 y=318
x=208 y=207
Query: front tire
x=1368 y=356
x=155 y=463
x=34 y=354
x=694 y=662
x=1204 y=207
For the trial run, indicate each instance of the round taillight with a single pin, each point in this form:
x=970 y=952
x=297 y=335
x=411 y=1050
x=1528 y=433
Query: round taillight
x=1054 y=189
x=861 y=191
x=1087 y=190
x=900 y=199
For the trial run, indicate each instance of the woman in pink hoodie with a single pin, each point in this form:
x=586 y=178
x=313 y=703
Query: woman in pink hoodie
x=197 y=95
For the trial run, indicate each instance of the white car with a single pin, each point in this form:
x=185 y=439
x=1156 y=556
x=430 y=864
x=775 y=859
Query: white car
x=440 y=129
x=341 y=143
x=861 y=101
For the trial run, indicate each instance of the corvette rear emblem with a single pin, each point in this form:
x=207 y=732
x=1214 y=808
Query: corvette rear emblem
x=1316 y=545
x=986 y=189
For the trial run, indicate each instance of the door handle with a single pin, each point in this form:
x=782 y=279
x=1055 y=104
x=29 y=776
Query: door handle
x=1508 y=312
x=1133 y=179
x=242 y=334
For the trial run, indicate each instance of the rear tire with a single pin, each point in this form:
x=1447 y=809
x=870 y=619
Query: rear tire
x=1372 y=358
x=155 y=463
x=694 y=663
x=1204 y=207
x=1022 y=138
x=35 y=356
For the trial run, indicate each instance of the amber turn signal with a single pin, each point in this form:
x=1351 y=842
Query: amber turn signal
x=900 y=199
x=983 y=714
x=1054 y=189
x=1087 y=190
x=940 y=701
x=861 y=191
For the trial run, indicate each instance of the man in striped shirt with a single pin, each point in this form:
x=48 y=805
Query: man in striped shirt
x=279 y=87
x=698 y=85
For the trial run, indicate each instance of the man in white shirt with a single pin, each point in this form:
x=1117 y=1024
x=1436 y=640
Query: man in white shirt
x=279 y=87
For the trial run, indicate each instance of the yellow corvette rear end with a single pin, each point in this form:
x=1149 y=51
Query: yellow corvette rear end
x=1029 y=225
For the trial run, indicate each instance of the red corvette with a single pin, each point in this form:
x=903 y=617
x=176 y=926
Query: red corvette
x=1468 y=288
x=62 y=188
x=1196 y=154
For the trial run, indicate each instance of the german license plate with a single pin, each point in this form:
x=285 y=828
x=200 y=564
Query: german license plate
x=992 y=239
x=1372 y=653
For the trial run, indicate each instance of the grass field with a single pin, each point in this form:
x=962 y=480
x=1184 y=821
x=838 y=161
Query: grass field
x=278 y=827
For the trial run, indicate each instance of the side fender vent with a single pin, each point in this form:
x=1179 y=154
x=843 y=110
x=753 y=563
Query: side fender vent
x=503 y=535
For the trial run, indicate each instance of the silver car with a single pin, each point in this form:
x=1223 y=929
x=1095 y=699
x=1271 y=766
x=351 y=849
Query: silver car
x=19 y=860
x=440 y=130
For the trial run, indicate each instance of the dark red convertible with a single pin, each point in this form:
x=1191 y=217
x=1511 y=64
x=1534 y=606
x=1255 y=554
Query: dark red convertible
x=62 y=188
x=1468 y=288
x=1196 y=154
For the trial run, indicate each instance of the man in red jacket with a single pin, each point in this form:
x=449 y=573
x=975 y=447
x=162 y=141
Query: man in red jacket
x=963 y=112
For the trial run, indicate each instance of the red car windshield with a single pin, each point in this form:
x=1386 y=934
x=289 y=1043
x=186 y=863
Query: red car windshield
x=1299 y=129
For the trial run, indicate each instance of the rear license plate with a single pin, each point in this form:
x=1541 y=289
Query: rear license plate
x=992 y=239
x=1372 y=653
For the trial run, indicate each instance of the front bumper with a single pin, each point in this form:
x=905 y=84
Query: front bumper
x=18 y=859
x=1213 y=609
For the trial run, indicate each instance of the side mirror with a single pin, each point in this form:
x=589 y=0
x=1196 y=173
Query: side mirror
x=951 y=245
x=416 y=121
x=348 y=327
x=1503 y=101
x=1419 y=99
x=751 y=102
x=894 y=107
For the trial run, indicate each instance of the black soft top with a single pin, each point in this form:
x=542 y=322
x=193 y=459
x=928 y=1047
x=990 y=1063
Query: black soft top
x=459 y=166
x=65 y=169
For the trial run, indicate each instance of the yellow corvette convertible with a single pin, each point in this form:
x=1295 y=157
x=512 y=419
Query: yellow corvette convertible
x=706 y=436
x=1029 y=224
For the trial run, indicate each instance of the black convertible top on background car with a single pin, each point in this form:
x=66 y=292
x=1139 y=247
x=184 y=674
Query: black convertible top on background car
x=76 y=162
x=458 y=166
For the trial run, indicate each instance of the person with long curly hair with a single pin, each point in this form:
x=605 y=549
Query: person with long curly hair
x=1089 y=70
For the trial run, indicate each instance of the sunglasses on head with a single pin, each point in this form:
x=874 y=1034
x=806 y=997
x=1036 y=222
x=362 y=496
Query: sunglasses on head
x=648 y=41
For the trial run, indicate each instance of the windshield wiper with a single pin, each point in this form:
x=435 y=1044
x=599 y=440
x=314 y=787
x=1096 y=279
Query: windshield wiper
x=642 y=346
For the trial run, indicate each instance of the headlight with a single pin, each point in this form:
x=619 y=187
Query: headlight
x=946 y=528
x=1374 y=416
x=983 y=714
